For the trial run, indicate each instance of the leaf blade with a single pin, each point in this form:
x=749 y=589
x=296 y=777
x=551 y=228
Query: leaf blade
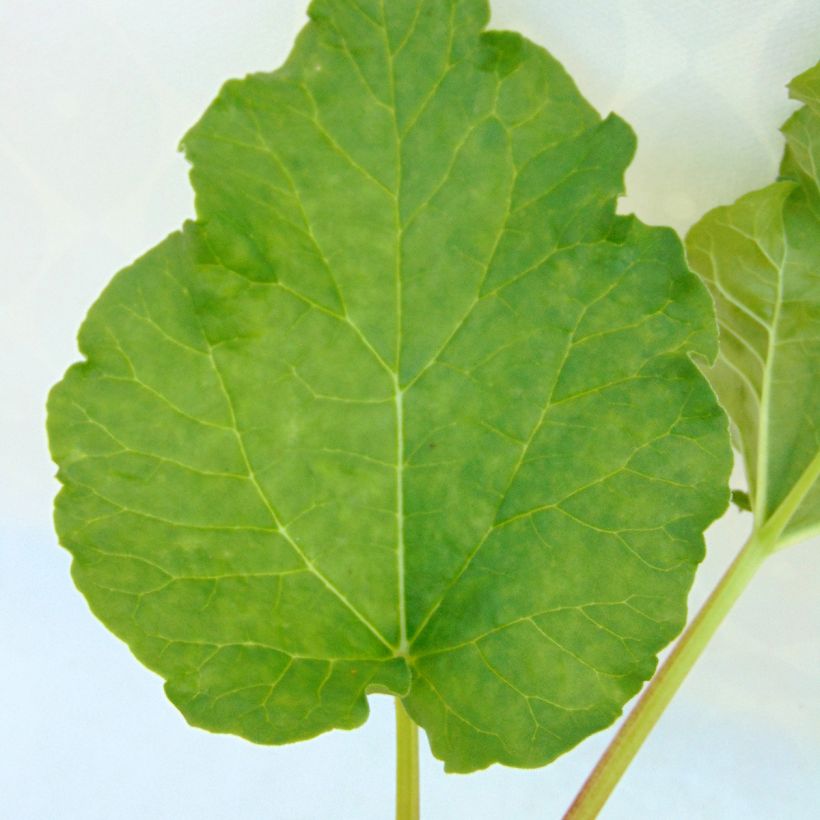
x=759 y=258
x=405 y=340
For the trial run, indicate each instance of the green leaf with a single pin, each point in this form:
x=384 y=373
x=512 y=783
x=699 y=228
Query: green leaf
x=407 y=409
x=760 y=258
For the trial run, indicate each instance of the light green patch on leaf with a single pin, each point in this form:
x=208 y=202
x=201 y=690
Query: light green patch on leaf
x=407 y=409
x=760 y=258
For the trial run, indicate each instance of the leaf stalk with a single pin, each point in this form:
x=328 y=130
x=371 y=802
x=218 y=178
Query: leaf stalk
x=407 y=765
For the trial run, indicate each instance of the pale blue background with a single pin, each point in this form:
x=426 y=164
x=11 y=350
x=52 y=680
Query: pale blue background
x=93 y=98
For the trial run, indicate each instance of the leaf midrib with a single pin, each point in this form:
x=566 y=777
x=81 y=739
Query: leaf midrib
x=764 y=421
x=398 y=393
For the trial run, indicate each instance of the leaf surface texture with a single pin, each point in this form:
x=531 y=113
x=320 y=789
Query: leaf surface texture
x=406 y=409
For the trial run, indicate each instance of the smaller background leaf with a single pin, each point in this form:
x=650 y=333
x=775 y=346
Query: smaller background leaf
x=760 y=258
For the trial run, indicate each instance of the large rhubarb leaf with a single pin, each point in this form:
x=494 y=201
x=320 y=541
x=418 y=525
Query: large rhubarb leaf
x=406 y=409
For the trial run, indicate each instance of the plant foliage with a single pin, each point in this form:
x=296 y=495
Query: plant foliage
x=760 y=258
x=407 y=408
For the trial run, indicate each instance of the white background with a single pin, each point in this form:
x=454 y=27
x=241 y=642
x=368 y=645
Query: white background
x=94 y=95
